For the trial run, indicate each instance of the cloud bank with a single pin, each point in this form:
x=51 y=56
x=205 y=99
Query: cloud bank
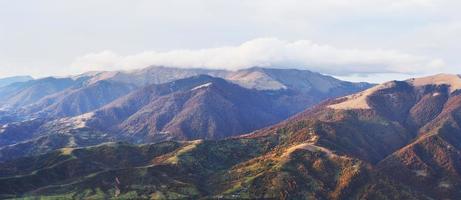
x=269 y=52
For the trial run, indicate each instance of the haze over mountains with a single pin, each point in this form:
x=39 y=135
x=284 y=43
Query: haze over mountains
x=397 y=140
x=14 y=79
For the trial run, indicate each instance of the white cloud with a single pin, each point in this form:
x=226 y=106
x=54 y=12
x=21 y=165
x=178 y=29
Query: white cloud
x=43 y=37
x=270 y=52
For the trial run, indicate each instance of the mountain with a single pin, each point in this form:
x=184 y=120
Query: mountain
x=295 y=79
x=19 y=94
x=77 y=100
x=408 y=131
x=202 y=107
x=198 y=107
x=46 y=91
x=397 y=140
x=152 y=75
x=252 y=78
x=14 y=79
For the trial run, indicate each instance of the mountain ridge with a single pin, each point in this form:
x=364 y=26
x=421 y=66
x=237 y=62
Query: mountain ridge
x=14 y=79
x=405 y=145
x=86 y=112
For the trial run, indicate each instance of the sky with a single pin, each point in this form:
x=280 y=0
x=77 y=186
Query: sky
x=358 y=40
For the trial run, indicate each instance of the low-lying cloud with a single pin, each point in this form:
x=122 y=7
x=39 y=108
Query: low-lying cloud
x=270 y=52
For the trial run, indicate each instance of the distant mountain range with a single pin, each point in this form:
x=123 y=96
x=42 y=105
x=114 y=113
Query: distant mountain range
x=154 y=104
x=21 y=94
x=14 y=79
x=77 y=100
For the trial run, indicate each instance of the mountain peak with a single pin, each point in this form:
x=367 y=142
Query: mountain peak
x=451 y=80
x=359 y=100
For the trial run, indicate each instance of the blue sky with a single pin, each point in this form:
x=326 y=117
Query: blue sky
x=360 y=40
